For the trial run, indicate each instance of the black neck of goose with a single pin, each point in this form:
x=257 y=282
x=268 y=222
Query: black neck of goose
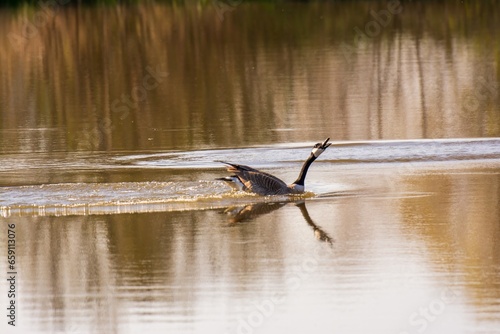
x=302 y=176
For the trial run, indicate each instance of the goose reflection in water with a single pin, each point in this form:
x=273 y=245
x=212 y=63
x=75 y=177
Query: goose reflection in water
x=239 y=214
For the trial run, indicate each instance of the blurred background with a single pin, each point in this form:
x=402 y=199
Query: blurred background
x=78 y=77
x=114 y=113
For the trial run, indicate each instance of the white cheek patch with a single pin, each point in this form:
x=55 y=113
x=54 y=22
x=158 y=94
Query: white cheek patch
x=317 y=151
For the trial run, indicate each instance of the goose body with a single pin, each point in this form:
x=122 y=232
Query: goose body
x=249 y=179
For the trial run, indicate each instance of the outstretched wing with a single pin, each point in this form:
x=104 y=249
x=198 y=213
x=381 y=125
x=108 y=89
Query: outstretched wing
x=263 y=183
x=256 y=181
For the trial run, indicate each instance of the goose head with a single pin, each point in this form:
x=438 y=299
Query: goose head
x=320 y=148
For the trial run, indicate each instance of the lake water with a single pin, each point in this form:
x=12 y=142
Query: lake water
x=113 y=118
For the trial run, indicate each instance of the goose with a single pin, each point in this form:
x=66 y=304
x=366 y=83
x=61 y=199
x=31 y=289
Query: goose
x=251 y=180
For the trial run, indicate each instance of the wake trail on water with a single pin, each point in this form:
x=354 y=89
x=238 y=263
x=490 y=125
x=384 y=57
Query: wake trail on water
x=364 y=158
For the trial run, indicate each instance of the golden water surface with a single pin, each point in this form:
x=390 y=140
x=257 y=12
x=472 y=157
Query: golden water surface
x=113 y=118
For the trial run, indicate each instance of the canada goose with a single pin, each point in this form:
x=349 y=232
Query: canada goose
x=252 y=180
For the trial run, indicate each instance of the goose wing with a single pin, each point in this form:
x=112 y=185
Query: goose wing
x=258 y=182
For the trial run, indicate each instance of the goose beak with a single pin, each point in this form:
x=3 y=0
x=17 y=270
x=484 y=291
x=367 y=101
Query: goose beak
x=325 y=144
